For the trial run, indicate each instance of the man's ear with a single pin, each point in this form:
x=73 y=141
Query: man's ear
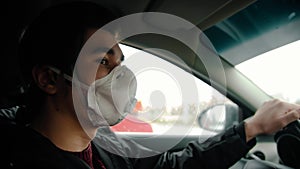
x=44 y=78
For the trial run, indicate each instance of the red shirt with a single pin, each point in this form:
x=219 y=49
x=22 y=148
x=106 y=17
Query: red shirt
x=93 y=160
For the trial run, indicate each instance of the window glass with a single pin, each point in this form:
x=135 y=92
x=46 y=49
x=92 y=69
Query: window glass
x=159 y=102
x=276 y=72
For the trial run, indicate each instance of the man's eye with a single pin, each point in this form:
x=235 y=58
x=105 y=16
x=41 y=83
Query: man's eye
x=103 y=61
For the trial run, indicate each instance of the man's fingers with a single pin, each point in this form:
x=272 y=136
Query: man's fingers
x=292 y=116
x=295 y=106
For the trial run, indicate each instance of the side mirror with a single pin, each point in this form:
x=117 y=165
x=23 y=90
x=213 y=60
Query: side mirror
x=219 y=117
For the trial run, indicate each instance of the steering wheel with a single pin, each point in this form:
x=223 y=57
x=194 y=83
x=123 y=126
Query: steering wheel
x=288 y=144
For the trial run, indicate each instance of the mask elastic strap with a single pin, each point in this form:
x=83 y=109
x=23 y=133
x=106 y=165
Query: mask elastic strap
x=59 y=72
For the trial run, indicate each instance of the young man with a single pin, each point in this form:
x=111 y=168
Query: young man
x=63 y=125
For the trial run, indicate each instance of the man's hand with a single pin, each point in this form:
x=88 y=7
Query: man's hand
x=270 y=117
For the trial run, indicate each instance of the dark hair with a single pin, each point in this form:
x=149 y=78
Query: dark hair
x=56 y=37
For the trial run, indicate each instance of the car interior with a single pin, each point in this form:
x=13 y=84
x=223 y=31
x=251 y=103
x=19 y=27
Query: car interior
x=237 y=30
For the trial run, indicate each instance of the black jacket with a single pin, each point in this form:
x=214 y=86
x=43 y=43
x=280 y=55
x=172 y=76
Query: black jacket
x=23 y=147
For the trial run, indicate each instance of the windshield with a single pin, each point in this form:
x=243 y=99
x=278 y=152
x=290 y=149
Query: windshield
x=263 y=42
x=276 y=72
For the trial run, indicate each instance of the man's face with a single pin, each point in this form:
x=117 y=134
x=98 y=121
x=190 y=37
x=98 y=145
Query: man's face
x=100 y=55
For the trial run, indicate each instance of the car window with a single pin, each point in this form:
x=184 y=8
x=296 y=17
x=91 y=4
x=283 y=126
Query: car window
x=160 y=107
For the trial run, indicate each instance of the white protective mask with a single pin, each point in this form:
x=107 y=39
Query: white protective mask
x=110 y=98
